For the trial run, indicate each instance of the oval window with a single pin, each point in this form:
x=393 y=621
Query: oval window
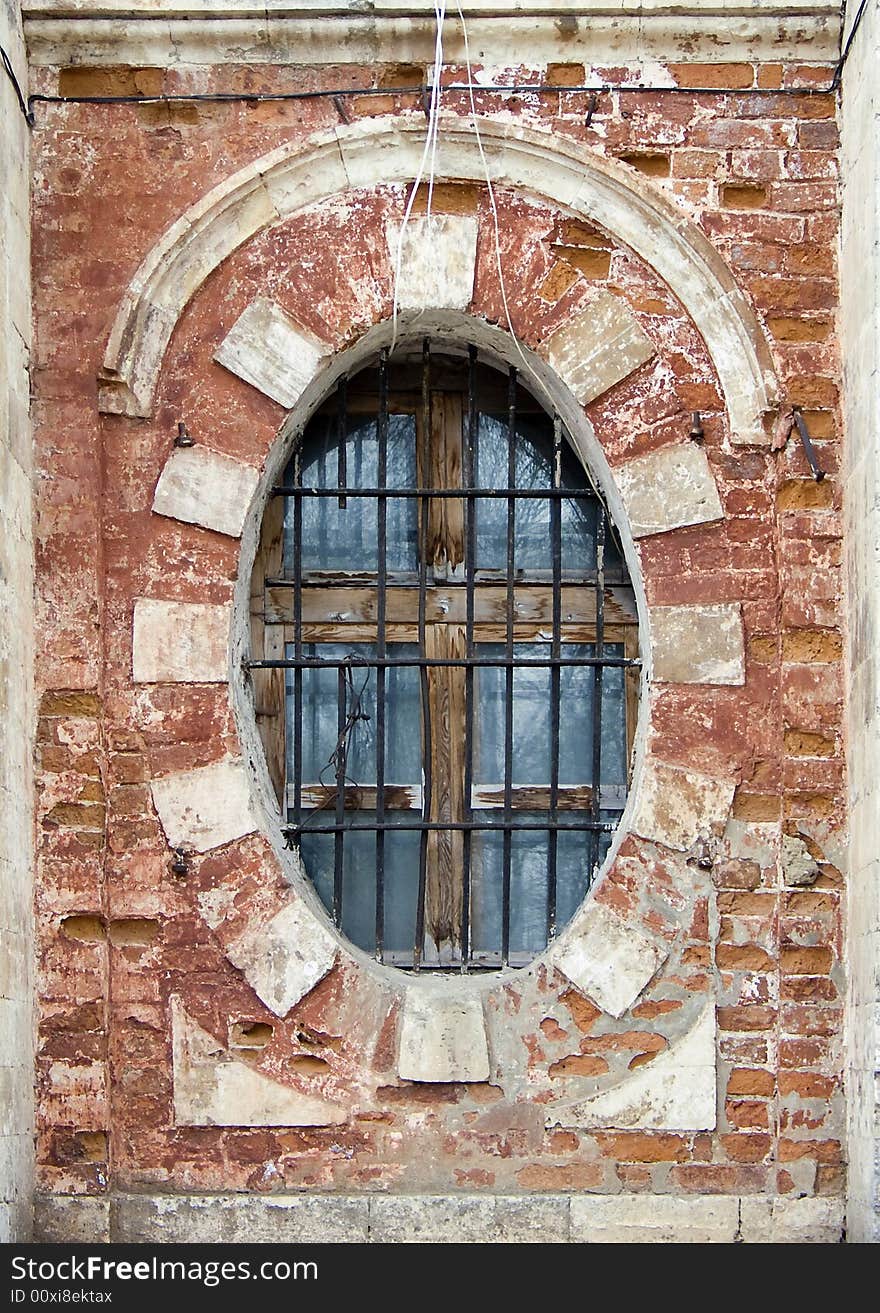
x=445 y=663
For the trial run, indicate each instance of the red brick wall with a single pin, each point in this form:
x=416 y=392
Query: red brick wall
x=119 y=934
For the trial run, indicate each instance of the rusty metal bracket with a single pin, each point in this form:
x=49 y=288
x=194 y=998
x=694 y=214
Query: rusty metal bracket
x=809 y=449
x=592 y=106
x=697 y=432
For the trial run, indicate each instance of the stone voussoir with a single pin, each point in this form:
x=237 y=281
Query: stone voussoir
x=608 y=959
x=597 y=348
x=206 y=807
x=199 y=486
x=275 y=356
x=179 y=642
x=668 y=489
x=698 y=644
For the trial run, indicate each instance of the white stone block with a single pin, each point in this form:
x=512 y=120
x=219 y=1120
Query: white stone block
x=469 y=1219
x=275 y=356
x=179 y=642
x=598 y=347
x=674 y=1092
x=676 y=806
x=647 y=1219
x=698 y=644
x=203 y=487
x=442 y=1037
x=206 y=807
x=607 y=959
x=240 y=1219
x=284 y=958
x=438 y=256
x=71 y=1219
x=792 y=1221
x=667 y=489
x=213 y=1088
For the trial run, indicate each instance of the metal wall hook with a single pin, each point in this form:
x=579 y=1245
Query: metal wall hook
x=697 y=432
x=184 y=437
x=809 y=449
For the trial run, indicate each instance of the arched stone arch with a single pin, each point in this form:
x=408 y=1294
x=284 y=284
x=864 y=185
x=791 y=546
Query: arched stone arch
x=366 y=155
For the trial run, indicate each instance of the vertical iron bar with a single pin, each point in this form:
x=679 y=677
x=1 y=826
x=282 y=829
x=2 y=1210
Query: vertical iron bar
x=297 y=641
x=555 y=673
x=508 y=669
x=423 y=673
x=381 y=552
x=597 y=683
x=341 y=752
x=342 y=436
x=468 y=473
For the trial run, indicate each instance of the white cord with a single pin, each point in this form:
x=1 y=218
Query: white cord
x=491 y=190
x=429 y=152
x=528 y=366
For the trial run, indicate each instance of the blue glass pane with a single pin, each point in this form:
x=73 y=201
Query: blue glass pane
x=529 y=883
x=359 y=881
x=533 y=469
x=346 y=538
x=320 y=725
x=532 y=718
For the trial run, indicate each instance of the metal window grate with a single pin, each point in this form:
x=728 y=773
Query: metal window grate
x=598 y=808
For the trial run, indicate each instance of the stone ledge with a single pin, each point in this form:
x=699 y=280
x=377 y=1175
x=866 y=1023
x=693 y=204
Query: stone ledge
x=131 y=31
x=438 y=1219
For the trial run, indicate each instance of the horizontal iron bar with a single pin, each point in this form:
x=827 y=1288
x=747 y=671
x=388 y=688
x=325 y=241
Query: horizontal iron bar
x=521 y=578
x=541 y=494
x=380 y=663
x=499 y=827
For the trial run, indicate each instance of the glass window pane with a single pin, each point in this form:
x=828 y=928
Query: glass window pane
x=320 y=724
x=346 y=538
x=359 y=880
x=532 y=718
x=533 y=470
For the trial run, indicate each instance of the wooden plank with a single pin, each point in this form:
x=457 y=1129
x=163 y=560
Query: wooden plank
x=398 y=633
x=398 y=797
x=444 y=604
x=446 y=691
x=536 y=797
x=453 y=509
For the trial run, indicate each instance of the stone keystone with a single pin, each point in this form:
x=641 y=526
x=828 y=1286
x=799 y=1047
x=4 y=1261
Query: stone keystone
x=438 y=257
x=442 y=1038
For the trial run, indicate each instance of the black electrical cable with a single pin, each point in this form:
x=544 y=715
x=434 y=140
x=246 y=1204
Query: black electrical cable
x=838 y=72
x=339 y=93
x=25 y=108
